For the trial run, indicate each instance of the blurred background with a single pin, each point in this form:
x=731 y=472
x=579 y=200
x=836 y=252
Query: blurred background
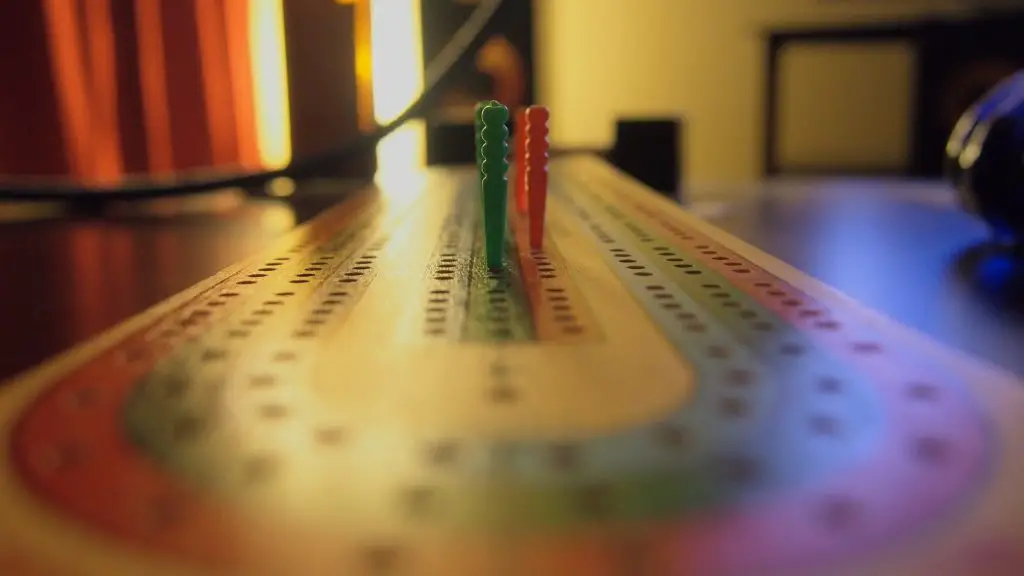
x=104 y=88
x=859 y=86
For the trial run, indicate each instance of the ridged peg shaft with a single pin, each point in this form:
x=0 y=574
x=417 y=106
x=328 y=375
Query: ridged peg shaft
x=495 y=181
x=537 y=171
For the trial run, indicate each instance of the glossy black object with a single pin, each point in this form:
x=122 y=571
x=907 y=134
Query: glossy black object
x=985 y=159
x=648 y=150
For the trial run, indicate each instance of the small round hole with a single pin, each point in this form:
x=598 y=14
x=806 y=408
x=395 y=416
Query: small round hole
x=866 y=347
x=791 y=349
x=824 y=425
x=673 y=436
x=923 y=391
x=740 y=377
x=931 y=450
x=829 y=385
x=502 y=393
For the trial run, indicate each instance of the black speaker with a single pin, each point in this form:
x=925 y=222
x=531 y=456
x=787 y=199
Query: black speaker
x=650 y=150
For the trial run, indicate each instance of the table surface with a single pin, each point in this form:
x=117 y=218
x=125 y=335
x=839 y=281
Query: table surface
x=902 y=248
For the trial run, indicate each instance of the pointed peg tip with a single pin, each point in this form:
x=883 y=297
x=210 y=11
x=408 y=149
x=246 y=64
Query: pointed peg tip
x=494 y=114
x=538 y=114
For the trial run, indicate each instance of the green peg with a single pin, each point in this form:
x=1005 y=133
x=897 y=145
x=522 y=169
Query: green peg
x=495 y=183
x=479 y=126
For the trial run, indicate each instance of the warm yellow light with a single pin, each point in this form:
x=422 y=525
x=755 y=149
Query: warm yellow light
x=281 y=187
x=270 y=82
x=397 y=45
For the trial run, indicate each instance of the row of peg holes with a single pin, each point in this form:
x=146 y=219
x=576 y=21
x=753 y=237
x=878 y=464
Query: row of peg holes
x=439 y=300
x=837 y=511
x=627 y=260
x=736 y=266
x=438 y=306
x=311 y=270
x=273 y=265
x=195 y=317
x=926 y=448
x=199 y=316
x=445 y=267
x=335 y=299
x=498 y=318
x=730 y=406
x=556 y=297
x=259 y=468
x=453 y=230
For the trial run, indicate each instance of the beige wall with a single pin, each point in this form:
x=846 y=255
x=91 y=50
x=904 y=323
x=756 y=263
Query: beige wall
x=600 y=59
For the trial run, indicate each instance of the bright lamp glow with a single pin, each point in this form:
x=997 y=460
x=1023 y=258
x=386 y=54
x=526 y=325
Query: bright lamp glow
x=397 y=48
x=270 y=82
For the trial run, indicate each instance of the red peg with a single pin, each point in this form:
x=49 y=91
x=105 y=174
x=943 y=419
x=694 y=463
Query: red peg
x=537 y=170
x=520 y=159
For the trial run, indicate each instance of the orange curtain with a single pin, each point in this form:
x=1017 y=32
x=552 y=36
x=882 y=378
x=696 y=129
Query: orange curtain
x=104 y=88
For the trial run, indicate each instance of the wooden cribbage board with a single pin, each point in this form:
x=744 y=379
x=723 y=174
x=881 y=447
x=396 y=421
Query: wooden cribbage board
x=647 y=395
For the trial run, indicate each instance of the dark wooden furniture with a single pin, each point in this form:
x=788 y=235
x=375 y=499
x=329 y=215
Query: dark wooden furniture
x=956 y=62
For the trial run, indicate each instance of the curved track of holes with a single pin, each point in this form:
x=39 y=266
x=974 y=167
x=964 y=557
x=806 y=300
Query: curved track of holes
x=800 y=444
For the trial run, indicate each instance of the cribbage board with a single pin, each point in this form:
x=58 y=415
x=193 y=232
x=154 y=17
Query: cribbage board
x=644 y=396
